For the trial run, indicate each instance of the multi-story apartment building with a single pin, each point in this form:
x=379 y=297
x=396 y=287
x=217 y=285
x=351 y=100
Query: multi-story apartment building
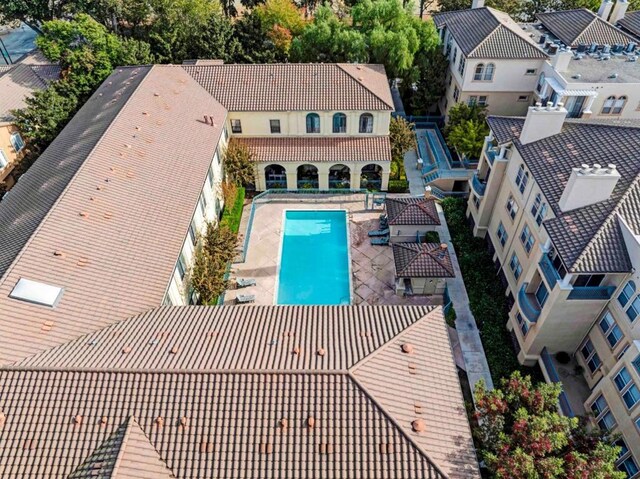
x=308 y=125
x=492 y=61
x=18 y=82
x=575 y=57
x=557 y=201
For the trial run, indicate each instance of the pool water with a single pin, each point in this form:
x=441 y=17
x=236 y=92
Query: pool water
x=314 y=261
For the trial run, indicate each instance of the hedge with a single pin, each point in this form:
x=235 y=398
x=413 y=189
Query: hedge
x=486 y=294
x=231 y=216
x=398 y=186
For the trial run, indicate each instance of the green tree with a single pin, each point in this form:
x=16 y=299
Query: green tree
x=239 y=163
x=329 y=39
x=393 y=33
x=283 y=13
x=463 y=112
x=255 y=46
x=33 y=11
x=521 y=434
x=467 y=138
x=401 y=137
x=431 y=72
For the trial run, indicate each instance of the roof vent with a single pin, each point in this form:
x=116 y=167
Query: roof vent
x=613 y=75
x=296 y=350
x=36 y=292
x=3 y=419
x=321 y=352
x=58 y=252
x=418 y=425
x=266 y=447
x=174 y=350
x=77 y=419
x=84 y=214
x=407 y=348
x=284 y=423
x=577 y=76
x=311 y=422
x=159 y=421
x=386 y=448
x=126 y=350
x=104 y=420
x=184 y=422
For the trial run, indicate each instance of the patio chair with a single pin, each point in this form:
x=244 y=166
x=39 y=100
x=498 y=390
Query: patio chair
x=384 y=223
x=245 y=282
x=380 y=241
x=384 y=232
x=378 y=201
x=245 y=298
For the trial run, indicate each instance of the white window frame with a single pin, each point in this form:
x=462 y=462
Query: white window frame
x=512 y=207
x=502 y=234
x=4 y=161
x=515 y=266
x=591 y=354
x=527 y=239
x=17 y=142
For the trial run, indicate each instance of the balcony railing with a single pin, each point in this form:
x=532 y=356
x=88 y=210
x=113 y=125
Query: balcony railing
x=528 y=304
x=550 y=273
x=339 y=184
x=492 y=153
x=592 y=292
x=553 y=376
x=307 y=184
x=276 y=184
x=478 y=186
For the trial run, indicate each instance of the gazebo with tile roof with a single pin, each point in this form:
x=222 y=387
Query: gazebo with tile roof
x=410 y=218
x=421 y=268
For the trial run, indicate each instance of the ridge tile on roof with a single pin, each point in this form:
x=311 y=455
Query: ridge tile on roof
x=580 y=25
x=422 y=260
x=631 y=23
x=411 y=211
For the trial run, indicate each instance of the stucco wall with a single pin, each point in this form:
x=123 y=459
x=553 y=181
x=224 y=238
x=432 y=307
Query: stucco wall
x=6 y=130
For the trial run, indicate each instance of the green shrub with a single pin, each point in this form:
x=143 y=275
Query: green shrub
x=450 y=317
x=398 y=186
x=486 y=295
x=432 y=237
x=232 y=214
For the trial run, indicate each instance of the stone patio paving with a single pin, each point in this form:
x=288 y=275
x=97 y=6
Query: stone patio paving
x=371 y=266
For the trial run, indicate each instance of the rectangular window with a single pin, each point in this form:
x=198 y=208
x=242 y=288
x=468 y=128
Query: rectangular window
x=512 y=207
x=366 y=123
x=524 y=326
x=181 y=266
x=236 y=126
x=627 y=388
x=482 y=100
x=455 y=55
x=610 y=329
x=590 y=356
x=636 y=362
x=339 y=123
x=3 y=159
x=601 y=411
x=527 y=239
x=589 y=280
x=461 y=66
x=210 y=176
x=531 y=71
x=626 y=293
x=476 y=201
x=473 y=99
x=456 y=93
x=502 y=234
x=202 y=204
x=275 y=126
x=626 y=463
x=542 y=293
x=634 y=309
x=17 y=142
x=523 y=98
x=192 y=233
x=516 y=267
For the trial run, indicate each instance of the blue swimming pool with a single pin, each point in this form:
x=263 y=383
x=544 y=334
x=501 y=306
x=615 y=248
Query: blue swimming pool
x=314 y=261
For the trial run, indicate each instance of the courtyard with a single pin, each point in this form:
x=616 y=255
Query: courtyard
x=372 y=268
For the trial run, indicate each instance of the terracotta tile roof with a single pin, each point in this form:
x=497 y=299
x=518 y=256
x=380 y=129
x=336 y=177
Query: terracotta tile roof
x=296 y=86
x=324 y=149
x=631 y=23
x=588 y=239
x=573 y=27
x=19 y=82
x=411 y=211
x=249 y=393
x=127 y=454
x=422 y=260
x=96 y=196
x=488 y=33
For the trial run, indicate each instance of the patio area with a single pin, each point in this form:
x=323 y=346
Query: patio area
x=372 y=268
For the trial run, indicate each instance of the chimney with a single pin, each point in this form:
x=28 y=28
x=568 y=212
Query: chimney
x=477 y=3
x=605 y=9
x=542 y=122
x=560 y=61
x=619 y=11
x=587 y=186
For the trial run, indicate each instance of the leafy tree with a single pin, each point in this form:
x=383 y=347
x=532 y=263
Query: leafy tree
x=283 y=13
x=463 y=112
x=33 y=11
x=430 y=84
x=393 y=33
x=329 y=39
x=216 y=40
x=401 y=137
x=468 y=137
x=452 y=5
x=255 y=45
x=239 y=163
x=521 y=434
x=212 y=256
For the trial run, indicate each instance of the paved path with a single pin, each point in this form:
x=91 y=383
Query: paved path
x=468 y=335
x=414 y=175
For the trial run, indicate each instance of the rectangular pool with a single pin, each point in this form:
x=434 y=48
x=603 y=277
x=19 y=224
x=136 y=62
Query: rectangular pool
x=314 y=259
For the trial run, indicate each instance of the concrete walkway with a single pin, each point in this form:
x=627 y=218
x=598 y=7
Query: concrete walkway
x=414 y=175
x=468 y=335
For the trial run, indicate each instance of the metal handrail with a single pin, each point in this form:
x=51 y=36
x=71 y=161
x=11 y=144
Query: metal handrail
x=478 y=186
x=550 y=273
x=530 y=310
x=555 y=378
x=592 y=292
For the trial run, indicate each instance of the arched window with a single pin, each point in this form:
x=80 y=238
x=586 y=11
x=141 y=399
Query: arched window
x=613 y=105
x=522 y=178
x=619 y=105
x=479 y=73
x=488 y=72
x=339 y=123
x=366 y=123
x=607 y=107
x=313 y=123
x=540 y=84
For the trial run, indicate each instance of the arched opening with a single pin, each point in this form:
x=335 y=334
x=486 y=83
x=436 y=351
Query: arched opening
x=313 y=123
x=275 y=177
x=366 y=123
x=339 y=177
x=339 y=123
x=307 y=177
x=371 y=177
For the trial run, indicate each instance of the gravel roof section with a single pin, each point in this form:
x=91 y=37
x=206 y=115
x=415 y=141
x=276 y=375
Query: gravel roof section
x=588 y=239
x=96 y=196
x=296 y=86
x=411 y=211
x=573 y=27
x=322 y=149
x=19 y=82
x=234 y=388
x=631 y=23
x=422 y=260
x=127 y=454
x=488 y=33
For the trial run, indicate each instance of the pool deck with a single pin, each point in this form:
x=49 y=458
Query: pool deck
x=371 y=266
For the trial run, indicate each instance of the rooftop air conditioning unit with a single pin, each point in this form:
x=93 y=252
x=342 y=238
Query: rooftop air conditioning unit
x=632 y=58
x=577 y=76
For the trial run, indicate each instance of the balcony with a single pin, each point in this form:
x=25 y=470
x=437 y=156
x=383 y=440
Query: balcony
x=308 y=184
x=528 y=304
x=550 y=273
x=492 y=153
x=594 y=293
x=478 y=185
x=575 y=389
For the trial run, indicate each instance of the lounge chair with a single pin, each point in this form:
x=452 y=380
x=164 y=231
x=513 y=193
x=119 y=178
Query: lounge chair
x=384 y=223
x=378 y=201
x=380 y=241
x=245 y=282
x=245 y=298
x=384 y=232
x=383 y=217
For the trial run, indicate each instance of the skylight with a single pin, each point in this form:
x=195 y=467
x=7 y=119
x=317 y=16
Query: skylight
x=37 y=293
